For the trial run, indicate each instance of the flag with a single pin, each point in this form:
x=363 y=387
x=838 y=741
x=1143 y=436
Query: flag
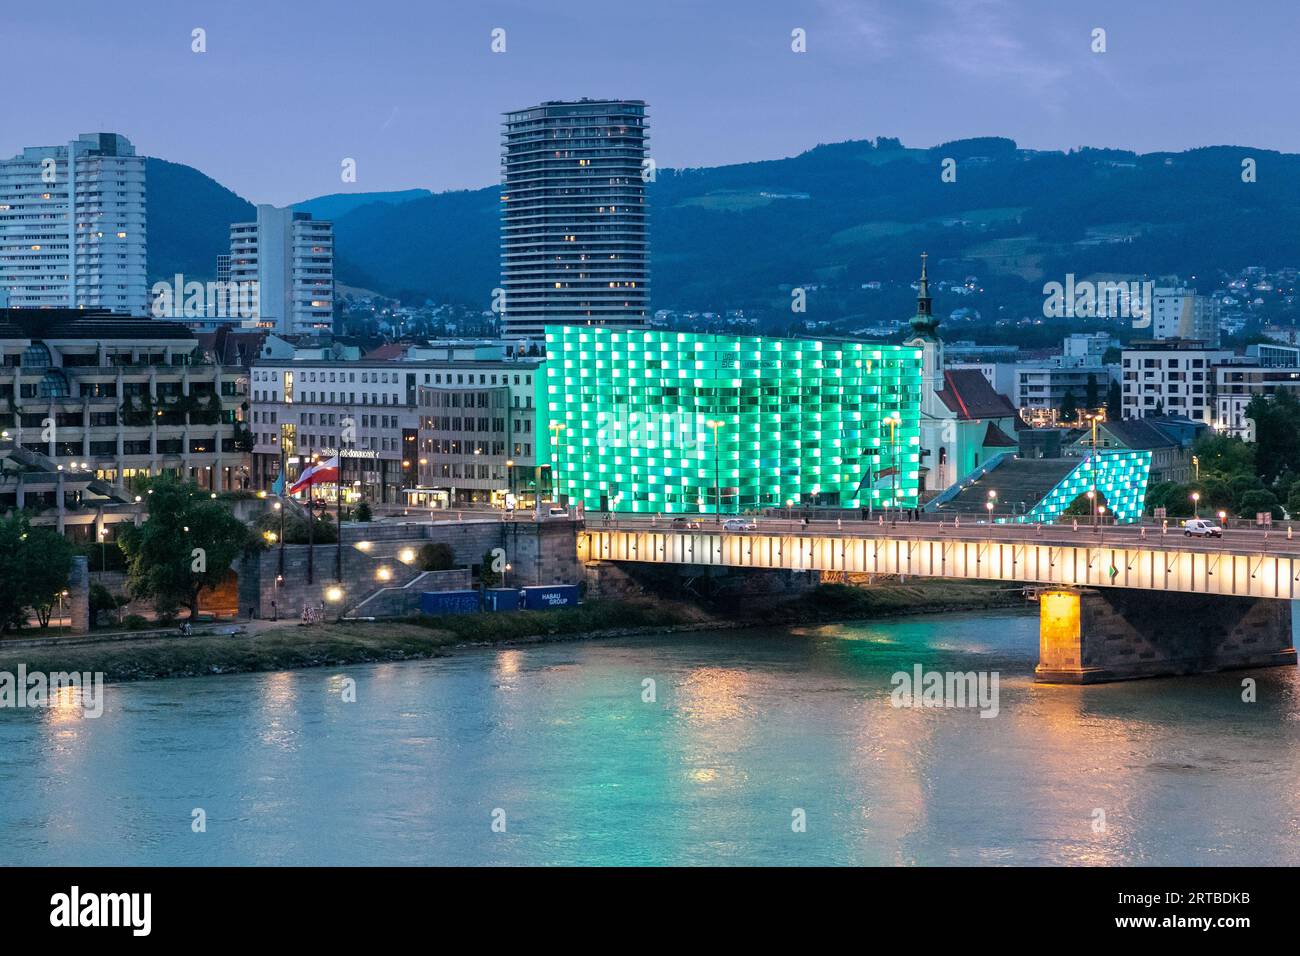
x=325 y=471
x=277 y=486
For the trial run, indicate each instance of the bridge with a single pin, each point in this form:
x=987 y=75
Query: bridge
x=1117 y=601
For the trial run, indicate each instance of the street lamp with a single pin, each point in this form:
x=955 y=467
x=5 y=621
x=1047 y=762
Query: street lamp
x=894 y=419
x=1092 y=505
x=556 y=428
x=1196 y=504
x=715 y=424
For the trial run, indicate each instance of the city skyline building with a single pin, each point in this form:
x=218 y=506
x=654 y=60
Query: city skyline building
x=73 y=226
x=574 y=222
x=290 y=256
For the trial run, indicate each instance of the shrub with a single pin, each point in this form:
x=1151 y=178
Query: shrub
x=437 y=557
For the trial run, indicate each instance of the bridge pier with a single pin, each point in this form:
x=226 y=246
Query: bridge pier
x=1092 y=636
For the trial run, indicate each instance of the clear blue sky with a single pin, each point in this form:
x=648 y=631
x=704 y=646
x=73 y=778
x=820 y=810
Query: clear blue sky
x=411 y=90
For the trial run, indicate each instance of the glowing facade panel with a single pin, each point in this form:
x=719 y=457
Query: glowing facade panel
x=1121 y=481
x=660 y=421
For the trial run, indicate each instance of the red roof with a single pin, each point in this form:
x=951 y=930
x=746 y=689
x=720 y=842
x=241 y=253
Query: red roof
x=996 y=438
x=968 y=393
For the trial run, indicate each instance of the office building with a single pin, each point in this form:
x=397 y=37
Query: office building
x=290 y=256
x=428 y=427
x=574 y=245
x=73 y=226
x=92 y=401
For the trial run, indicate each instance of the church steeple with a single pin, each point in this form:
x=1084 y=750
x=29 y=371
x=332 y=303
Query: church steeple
x=924 y=323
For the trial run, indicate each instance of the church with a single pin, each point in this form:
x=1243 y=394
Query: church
x=965 y=422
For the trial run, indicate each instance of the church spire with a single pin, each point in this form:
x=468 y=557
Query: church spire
x=923 y=323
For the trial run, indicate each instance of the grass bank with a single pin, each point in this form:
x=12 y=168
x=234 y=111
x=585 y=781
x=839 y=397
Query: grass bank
x=291 y=646
x=288 y=646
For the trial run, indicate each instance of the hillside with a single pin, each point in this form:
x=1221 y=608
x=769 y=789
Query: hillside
x=189 y=220
x=843 y=214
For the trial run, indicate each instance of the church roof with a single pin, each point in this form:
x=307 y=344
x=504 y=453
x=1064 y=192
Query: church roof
x=995 y=437
x=968 y=394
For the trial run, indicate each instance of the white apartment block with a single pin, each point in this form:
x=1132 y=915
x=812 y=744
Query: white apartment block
x=1041 y=388
x=72 y=226
x=291 y=257
x=1171 y=380
x=401 y=451
x=1182 y=314
x=1236 y=385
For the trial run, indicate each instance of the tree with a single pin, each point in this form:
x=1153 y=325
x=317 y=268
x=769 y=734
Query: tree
x=34 y=568
x=1091 y=396
x=1114 y=402
x=47 y=562
x=363 y=512
x=1082 y=506
x=187 y=543
x=486 y=575
x=437 y=556
x=1069 y=407
x=1277 y=433
x=1253 y=502
x=1293 y=501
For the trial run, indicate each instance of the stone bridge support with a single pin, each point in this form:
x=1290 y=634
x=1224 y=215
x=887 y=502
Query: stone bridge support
x=1090 y=636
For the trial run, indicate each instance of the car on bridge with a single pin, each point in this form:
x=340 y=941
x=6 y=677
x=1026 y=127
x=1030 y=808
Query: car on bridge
x=687 y=523
x=1202 y=528
x=739 y=524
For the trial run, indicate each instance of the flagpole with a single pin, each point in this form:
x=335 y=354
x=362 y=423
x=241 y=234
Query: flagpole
x=338 y=517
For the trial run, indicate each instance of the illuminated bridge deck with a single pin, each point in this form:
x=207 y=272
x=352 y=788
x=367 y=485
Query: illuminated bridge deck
x=1244 y=563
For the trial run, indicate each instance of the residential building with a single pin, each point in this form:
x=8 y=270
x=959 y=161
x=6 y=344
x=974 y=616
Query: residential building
x=73 y=226
x=290 y=256
x=1087 y=348
x=1044 y=388
x=1170 y=378
x=93 y=401
x=1235 y=386
x=1179 y=313
x=574 y=246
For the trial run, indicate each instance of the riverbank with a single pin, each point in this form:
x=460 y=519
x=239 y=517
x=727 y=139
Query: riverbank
x=291 y=646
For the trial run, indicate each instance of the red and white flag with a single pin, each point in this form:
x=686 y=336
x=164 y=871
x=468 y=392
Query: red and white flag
x=325 y=471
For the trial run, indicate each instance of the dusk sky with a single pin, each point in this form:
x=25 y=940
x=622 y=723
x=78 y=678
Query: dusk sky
x=412 y=91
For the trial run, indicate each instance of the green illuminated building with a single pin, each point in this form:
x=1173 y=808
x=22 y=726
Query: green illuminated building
x=673 y=422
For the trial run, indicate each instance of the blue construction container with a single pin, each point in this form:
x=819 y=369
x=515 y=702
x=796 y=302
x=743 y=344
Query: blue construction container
x=541 y=597
x=501 y=599
x=450 y=602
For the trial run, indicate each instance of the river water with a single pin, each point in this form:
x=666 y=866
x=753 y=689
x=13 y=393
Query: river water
x=749 y=733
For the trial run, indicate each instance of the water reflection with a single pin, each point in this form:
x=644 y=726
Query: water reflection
x=744 y=731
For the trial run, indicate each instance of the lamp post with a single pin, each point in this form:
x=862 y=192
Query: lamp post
x=1196 y=504
x=895 y=419
x=992 y=502
x=556 y=428
x=1092 y=506
x=715 y=424
x=279 y=506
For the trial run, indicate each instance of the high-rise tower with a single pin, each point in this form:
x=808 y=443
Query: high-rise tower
x=72 y=226
x=574 y=246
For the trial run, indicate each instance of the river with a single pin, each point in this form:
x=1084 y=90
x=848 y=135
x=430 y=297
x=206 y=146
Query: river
x=748 y=735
